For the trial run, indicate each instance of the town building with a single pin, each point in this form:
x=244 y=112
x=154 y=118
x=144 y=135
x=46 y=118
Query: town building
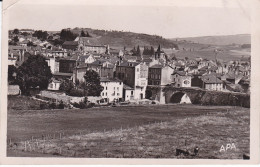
x=70 y=45
x=181 y=79
x=113 y=89
x=134 y=75
x=54 y=85
x=208 y=82
x=85 y=59
x=66 y=65
x=92 y=45
x=102 y=67
x=159 y=74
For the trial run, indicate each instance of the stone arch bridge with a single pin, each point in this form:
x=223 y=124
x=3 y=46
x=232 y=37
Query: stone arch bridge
x=170 y=94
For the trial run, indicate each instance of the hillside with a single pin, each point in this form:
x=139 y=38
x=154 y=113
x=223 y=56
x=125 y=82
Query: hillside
x=219 y=40
x=119 y=39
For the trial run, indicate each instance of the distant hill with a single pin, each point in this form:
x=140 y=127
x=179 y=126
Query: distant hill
x=219 y=40
x=119 y=39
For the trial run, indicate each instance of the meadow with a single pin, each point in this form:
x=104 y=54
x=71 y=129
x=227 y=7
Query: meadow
x=147 y=131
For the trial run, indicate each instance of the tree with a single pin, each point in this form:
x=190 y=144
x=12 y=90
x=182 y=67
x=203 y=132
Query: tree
x=152 y=51
x=92 y=83
x=16 y=39
x=24 y=33
x=30 y=43
x=66 y=86
x=34 y=72
x=82 y=34
x=88 y=35
x=138 y=51
x=16 y=31
x=12 y=70
x=67 y=35
x=41 y=35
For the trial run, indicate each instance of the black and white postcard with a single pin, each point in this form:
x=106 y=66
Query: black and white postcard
x=130 y=82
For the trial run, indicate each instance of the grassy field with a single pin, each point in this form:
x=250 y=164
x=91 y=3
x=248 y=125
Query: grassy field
x=153 y=131
x=23 y=103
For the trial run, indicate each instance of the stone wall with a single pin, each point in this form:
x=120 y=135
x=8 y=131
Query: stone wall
x=14 y=90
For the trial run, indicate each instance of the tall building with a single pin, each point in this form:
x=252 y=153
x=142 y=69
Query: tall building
x=134 y=75
x=159 y=74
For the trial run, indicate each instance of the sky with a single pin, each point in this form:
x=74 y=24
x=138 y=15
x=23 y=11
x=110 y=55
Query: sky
x=168 y=18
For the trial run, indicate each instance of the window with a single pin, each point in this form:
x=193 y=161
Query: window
x=106 y=93
x=137 y=69
x=51 y=85
x=117 y=88
x=132 y=92
x=106 y=87
x=118 y=94
x=103 y=94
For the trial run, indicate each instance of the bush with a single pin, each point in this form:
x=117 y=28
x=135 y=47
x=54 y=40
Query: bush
x=83 y=105
x=76 y=92
x=52 y=105
x=153 y=102
x=61 y=105
x=43 y=106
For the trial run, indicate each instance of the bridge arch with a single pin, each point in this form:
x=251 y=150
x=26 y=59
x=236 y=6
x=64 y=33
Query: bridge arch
x=180 y=97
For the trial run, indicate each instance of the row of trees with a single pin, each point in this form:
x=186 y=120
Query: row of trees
x=136 y=52
x=67 y=35
x=41 y=35
x=148 y=51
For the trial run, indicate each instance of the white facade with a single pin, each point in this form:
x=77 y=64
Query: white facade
x=54 y=85
x=113 y=90
x=214 y=86
x=90 y=59
x=51 y=64
x=12 y=61
x=129 y=94
x=141 y=81
x=139 y=93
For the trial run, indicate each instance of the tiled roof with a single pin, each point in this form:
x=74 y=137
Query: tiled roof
x=73 y=43
x=157 y=66
x=213 y=68
x=147 y=60
x=130 y=57
x=83 y=58
x=204 y=68
x=129 y=64
x=98 y=62
x=82 y=66
x=63 y=74
x=13 y=47
x=105 y=79
x=181 y=73
x=210 y=79
x=127 y=87
x=90 y=41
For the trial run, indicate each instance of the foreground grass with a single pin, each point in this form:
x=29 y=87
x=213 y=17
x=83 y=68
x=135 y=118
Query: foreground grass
x=185 y=130
x=23 y=103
